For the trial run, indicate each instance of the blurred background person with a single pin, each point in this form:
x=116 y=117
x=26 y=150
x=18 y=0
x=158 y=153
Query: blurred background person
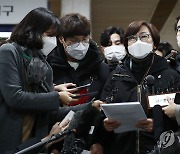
x=166 y=50
x=112 y=47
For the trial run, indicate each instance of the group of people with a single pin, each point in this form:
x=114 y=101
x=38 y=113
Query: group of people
x=46 y=59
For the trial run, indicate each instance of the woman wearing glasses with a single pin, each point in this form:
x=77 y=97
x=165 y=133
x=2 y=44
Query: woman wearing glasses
x=128 y=84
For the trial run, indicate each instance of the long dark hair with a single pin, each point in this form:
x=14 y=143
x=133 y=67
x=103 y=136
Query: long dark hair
x=29 y=31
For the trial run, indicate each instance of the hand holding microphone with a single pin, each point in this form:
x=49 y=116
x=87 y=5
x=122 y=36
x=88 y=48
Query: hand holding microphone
x=57 y=133
x=82 y=121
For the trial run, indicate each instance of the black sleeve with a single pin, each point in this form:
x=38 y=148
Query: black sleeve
x=107 y=88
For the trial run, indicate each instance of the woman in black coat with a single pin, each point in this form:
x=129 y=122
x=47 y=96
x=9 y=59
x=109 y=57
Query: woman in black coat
x=141 y=39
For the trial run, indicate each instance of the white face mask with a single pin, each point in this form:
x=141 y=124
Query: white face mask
x=115 y=52
x=77 y=50
x=49 y=44
x=140 y=49
x=178 y=41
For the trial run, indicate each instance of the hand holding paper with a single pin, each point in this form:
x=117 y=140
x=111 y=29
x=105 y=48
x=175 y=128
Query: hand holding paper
x=146 y=124
x=111 y=124
x=128 y=114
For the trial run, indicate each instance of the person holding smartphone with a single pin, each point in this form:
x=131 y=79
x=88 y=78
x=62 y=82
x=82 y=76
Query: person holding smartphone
x=77 y=59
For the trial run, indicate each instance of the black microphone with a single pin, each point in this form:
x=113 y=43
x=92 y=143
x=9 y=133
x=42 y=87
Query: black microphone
x=62 y=134
x=75 y=143
x=150 y=84
x=157 y=121
x=35 y=148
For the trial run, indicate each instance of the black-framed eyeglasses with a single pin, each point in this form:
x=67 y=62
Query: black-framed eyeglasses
x=143 y=37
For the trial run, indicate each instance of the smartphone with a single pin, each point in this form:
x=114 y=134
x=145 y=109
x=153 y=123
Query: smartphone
x=86 y=94
x=83 y=86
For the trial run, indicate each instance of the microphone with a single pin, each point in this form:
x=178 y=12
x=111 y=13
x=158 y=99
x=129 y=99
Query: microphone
x=60 y=135
x=35 y=148
x=75 y=143
x=150 y=84
x=157 y=121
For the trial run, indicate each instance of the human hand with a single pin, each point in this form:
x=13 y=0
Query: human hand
x=96 y=149
x=67 y=98
x=110 y=124
x=97 y=104
x=57 y=128
x=65 y=87
x=146 y=124
x=170 y=109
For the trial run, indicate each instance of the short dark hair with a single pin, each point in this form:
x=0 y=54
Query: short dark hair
x=29 y=31
x=105 y=35
x=135 y=26
x=175 y=25
x=74 y=24
x=165 y=48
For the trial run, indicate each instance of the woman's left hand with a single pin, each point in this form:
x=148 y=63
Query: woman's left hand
x=146 y=124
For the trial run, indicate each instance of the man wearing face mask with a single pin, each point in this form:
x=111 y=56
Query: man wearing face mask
x=112 y=47
x=127 y=84
x=77 y=58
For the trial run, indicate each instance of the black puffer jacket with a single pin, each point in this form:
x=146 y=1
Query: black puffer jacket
x=121 y=86
x=90 y=69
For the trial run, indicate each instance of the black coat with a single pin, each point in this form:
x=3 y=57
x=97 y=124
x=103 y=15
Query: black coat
x=90 y=69
x=16 y=102
x=121 y=86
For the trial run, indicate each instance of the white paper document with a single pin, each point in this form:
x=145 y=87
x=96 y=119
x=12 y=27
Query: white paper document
x=127 y=113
